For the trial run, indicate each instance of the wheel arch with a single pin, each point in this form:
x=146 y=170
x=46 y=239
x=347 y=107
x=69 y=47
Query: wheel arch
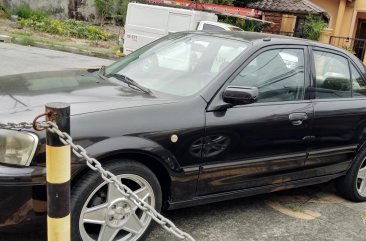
x=151 y=162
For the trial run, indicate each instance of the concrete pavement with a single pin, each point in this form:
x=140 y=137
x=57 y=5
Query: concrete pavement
x=305 y=214
x=22 y=59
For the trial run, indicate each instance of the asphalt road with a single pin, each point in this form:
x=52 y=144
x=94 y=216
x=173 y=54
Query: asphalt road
x=305 y=214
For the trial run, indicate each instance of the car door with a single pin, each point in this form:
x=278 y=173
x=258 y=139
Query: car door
x=258 y=144
x=339 y=112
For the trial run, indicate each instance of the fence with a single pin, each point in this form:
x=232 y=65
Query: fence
x=355 y=45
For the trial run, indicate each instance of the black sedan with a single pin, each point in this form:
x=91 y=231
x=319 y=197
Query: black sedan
x=193 y=118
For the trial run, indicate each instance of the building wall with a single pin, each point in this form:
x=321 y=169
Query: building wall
x=275 y=18
x=332 y=7
x=349 y=16
x=80 y=9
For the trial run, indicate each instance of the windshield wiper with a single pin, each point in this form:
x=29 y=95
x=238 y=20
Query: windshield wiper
x=131 y=83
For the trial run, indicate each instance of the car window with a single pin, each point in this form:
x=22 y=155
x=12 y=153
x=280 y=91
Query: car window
x=278 y=74
x=225 y=55
x=211 y=27
x=332 y=76
x=358 y=84
x=179 y=64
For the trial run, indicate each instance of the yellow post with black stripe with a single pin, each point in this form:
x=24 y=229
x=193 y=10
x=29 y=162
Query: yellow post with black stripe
x=58 y=165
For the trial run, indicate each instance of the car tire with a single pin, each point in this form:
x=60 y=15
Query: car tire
x=99 y=210
x=352 y=186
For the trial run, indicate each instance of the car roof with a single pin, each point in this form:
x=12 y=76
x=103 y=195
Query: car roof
x=256 y=38
x=259 y=38
x=220 y=24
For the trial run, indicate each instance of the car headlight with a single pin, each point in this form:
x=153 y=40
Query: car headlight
x=17 y=147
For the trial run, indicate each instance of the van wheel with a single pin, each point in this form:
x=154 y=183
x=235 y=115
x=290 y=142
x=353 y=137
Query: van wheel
x=100 y=212
x=353 y=184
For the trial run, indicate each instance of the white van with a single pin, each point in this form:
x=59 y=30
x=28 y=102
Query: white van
x=146 y=23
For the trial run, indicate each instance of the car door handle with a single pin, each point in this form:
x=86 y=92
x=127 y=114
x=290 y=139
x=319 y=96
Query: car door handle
x=297 y=118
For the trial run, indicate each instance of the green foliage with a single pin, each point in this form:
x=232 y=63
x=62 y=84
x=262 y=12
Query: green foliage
x=24 y=11
x=69 y=28
x=27 y=41
x=312 y=27
x=244 y=3
x=112 y=9
x=246 y=25
x=4 y=12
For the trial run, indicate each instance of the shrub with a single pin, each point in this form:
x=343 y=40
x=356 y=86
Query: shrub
x=246 y=25
x=24 y=11
x=112 y=9
x=27 y=41
x=69 y=28
x=312 y=27
x=4 y=12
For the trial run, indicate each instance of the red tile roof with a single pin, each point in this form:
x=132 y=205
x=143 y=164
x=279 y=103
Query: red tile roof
x=288 y=6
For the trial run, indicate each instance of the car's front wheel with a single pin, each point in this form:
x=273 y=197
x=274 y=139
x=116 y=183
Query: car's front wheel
x=101 y=213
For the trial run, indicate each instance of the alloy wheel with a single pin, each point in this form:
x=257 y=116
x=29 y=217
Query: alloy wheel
x=108 y=216
x=361 y=179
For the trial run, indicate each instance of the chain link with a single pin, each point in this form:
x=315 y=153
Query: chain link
x=108 y=176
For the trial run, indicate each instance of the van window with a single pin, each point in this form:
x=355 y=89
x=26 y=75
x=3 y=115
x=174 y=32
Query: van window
x=209 y=27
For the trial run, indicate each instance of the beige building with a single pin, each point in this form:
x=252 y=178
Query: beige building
x=346 y=20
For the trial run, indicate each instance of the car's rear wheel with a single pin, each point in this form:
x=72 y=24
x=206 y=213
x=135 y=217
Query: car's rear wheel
x=353 y=184
x=101 y=213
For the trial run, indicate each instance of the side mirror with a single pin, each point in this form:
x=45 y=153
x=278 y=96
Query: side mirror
x=240 y=95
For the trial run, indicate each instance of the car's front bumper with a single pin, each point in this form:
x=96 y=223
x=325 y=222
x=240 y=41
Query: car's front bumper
x=22 y=198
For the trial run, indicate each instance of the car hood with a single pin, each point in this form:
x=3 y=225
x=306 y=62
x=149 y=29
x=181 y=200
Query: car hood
x=24 y=95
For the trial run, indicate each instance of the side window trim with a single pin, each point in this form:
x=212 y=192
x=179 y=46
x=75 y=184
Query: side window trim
x=358 y=70
x=352 y=64
x=217 y=99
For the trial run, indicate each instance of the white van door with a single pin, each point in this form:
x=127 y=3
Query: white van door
x=179 y=22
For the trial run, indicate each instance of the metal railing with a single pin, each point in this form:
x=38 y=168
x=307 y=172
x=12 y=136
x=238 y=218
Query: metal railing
x=355 y=45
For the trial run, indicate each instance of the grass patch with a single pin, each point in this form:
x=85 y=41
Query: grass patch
x=21 y=34
x=27 y=41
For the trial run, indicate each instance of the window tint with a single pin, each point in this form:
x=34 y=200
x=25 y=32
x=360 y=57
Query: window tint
x=358 y=85
x=278 y=74
x=211 y=27
x=332 y=76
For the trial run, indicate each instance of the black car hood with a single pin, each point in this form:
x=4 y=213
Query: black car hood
x=24 y=95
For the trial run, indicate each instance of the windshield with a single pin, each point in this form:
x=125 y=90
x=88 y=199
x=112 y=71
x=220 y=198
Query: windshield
x=179 y=64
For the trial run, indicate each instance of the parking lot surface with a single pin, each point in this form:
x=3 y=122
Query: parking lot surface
x=311 y=213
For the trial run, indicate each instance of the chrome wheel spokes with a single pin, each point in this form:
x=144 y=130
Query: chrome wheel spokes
x=108 y=216
x=361 y=180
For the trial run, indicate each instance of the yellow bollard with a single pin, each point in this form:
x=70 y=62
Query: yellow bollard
x=58 y=165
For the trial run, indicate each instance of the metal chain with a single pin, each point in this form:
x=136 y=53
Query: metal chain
x=16 y=126
x=109 y=177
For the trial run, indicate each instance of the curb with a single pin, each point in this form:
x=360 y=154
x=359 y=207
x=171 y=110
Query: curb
x=65 y=49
